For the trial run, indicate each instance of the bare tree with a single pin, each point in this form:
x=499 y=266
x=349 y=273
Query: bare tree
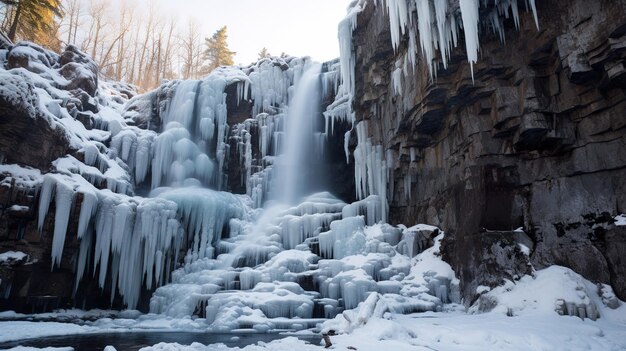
x=109 y=57
x=143 y=56
x=191 y=50
x=99 y=19
x=73 y=13
x=166 y=69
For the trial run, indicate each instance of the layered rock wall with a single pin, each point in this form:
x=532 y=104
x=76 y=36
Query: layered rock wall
x=537 y=140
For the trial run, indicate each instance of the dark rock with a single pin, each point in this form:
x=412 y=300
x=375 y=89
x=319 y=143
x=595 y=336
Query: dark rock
x=147 y=111
x=615 y=248
x=238 y=111
x=484 y=258
x=21 y=120
x=80 y=70
x=536 y=141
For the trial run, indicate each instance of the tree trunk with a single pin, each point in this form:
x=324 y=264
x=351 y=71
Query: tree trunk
x=16 y=20
x=95 y=41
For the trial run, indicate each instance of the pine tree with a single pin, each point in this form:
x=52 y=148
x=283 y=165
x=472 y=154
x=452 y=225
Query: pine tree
x=217 y=53
x=264 y=53
x=34 y=20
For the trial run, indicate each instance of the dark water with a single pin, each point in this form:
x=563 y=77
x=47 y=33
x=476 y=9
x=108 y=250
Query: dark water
x=131 y=341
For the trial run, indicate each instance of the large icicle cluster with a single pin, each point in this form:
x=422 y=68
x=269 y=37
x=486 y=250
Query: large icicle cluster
x=371 y=169
x=193 y=146
x=134 y=240
x=128 y=242
x=438 y=25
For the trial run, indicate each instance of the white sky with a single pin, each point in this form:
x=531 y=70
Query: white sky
x=296 y=27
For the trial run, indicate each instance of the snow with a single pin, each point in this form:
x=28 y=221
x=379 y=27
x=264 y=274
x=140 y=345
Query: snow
x=562 y=291
x=371 y=328
x=24 y=177
x=522 y=319
x=290 y=343
x=10 y=257
x=620 y=220
x=17 y=90
x=18 y=330
x=24 y=348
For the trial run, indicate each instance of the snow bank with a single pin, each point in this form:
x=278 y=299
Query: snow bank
x=562 y=291
x=16 y=330
x=25 y=348
x=12 y=257
x=24 y=177
x=290 y=343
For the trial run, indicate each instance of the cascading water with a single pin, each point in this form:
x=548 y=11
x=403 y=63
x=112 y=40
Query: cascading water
x=301 y=147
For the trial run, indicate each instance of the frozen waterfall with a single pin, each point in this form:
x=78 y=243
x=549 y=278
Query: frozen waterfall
x=301 y=147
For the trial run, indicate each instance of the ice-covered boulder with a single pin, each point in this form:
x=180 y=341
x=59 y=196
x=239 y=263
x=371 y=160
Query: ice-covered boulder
x=80 y=71
x=31 y=57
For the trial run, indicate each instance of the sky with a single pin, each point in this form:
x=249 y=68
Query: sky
x=295 y=27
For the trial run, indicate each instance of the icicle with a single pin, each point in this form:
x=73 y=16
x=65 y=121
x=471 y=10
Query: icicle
x=425 y=22
x=47 y=192
x=64 y=202
x=534 y=9
x=346 y=145
x=87 y=210
x=469 y=14
x=396 y=78
x=398 y=19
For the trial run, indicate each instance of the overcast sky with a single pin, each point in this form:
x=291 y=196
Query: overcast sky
x=296 y=27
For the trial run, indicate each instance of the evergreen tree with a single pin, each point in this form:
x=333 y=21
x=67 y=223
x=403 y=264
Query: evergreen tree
x=264 y=53
x=217 y=53
x=34 y=20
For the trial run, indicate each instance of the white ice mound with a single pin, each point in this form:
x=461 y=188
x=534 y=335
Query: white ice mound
x=552 y=290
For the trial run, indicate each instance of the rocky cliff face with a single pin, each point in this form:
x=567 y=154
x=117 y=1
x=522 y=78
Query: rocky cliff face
x=537 y=140
x=30 y=139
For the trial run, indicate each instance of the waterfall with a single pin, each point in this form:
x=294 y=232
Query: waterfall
x=302 y=145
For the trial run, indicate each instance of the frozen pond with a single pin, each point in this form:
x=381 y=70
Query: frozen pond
x=132 y=341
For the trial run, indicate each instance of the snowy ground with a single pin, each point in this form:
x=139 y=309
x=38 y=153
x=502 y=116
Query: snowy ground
x=436 y=331
x=525 y=318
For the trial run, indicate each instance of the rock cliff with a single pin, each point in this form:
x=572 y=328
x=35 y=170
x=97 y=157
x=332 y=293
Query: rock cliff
x=537 y=140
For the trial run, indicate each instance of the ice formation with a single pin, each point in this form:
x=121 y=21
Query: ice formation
x=438 y=25
x=370 y=169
